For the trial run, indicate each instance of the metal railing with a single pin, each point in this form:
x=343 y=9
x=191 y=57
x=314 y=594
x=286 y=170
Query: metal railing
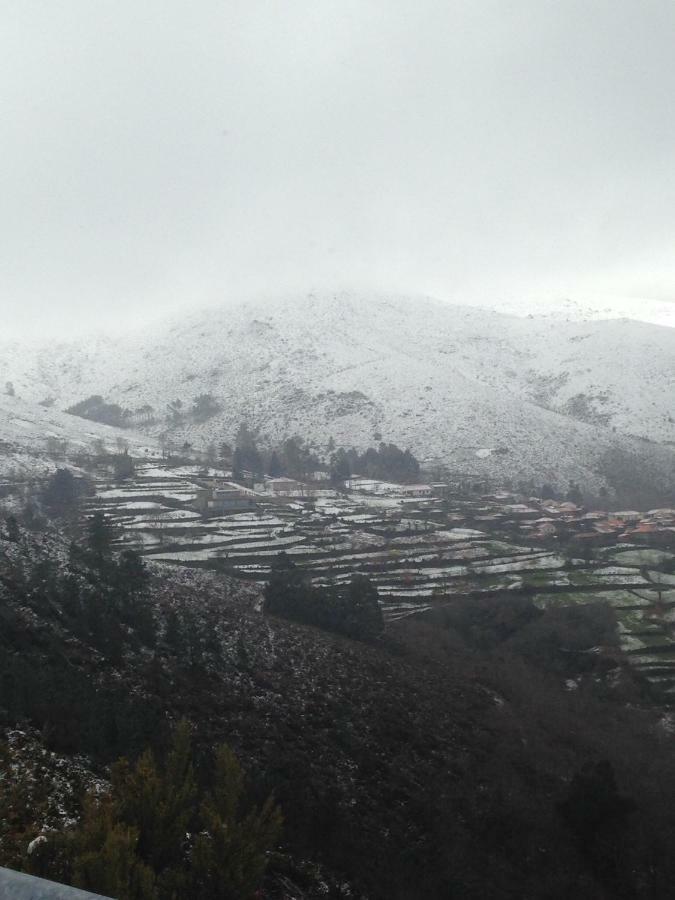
x=17 y=886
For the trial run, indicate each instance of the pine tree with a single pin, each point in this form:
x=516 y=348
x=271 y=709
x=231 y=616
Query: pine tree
x=365 y=614
x=340 y=468
x=245 y=438
x=99 y=537
x=574 y=494
x=154 y=837
x=237 y=465
x=123 y=466
x=132 y=573
x=229 y=857
x=61 y=494
x=246 y=454
x=106 y=855
x=274 y=469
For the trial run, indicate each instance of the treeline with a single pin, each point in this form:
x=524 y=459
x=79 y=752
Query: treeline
x=96 y=409
x=352 y=609
x=294 y=458
x=386 y=462
x=99 y=595
x=103 y=600
x=100 y=601
x=60 y=497
x=178 y=413
x=635 y=482
x=202 y=408
x=573 y=494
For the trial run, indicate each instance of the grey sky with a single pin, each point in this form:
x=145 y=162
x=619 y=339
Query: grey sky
x=165 y=153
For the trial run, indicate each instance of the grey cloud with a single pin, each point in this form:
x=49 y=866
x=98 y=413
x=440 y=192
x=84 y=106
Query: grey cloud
x=167 y=153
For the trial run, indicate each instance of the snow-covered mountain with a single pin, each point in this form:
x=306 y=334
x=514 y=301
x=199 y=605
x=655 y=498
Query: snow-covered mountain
x=523 y=397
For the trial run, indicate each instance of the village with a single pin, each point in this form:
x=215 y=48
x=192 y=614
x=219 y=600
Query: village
x=423 y=544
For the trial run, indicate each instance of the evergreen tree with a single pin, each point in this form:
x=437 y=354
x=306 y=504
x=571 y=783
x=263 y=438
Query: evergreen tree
x=254 y=462
x=296 y=457
x=132 y=573
x=274 y=469
x=340 y=468
x=156 y=836
x=229 y=854
x=97 y=409
x=204 y=407
x=158 y=801
x=244 y=439
x=548 y=492
x=61 y=494
x=574 y=494
x=99 y=537
x=364 y=617
x=237 y=465
x=123 y=466
x=388 y=462
x=106 y=858
x=246 y=452
x=353 y=611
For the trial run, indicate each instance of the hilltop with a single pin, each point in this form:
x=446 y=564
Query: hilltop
x=491 y=394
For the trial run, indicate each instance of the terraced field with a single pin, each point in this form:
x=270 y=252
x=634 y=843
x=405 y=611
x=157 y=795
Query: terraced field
x=418 y=553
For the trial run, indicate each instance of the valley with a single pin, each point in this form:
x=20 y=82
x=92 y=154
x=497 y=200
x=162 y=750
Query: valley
x=518 y=557
x=422 y=552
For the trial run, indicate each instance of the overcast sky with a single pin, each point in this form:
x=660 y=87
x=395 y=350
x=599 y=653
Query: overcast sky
x=159 y=153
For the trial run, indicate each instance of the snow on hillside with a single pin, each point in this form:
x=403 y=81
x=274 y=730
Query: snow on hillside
x=491 y=393
x=590 y=306
x=31 y=437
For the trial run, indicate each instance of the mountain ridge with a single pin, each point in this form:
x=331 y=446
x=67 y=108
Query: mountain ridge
x=553 y=398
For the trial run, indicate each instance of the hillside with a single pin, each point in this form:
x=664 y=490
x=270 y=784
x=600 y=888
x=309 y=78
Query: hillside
x=447 y=381
x=425 y=765
x=34 y=437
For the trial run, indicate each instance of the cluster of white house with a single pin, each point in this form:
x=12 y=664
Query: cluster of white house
x=221 y=497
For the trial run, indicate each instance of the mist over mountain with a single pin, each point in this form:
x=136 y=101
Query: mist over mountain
x=337 y=450
x=500 y=396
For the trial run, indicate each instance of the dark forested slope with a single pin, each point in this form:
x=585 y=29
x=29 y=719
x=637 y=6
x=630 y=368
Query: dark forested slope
x=424 y=764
